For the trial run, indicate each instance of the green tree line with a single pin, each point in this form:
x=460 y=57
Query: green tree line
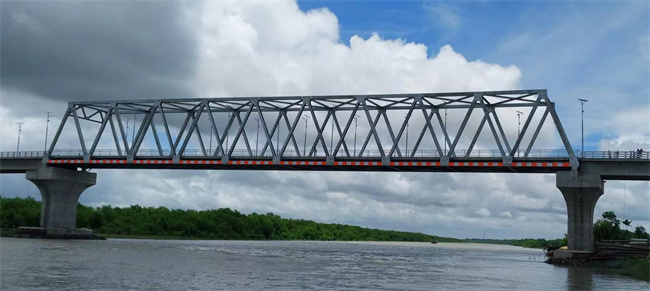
x=524 y=242
x=608 y=227
x=221 y=223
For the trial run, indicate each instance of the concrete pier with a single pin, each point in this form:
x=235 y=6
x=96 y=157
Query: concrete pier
x=60 y=191
x=581 y=192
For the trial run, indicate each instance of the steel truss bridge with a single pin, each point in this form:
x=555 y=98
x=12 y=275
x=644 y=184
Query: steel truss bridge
x=338 y=133
x=220 y=132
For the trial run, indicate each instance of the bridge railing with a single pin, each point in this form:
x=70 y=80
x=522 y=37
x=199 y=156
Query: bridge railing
x=21 y=155
x=244 y=153
x=613 y=155
x=290 y=153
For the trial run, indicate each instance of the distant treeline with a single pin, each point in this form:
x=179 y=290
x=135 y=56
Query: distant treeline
x=608 y=227
x=525 y=242
x=221 y=223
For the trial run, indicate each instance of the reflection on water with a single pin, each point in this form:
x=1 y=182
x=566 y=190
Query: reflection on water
x=580 y=278
x=181 y=265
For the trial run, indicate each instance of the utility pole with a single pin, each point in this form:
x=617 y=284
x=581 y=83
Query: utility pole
x=257 y=134
x=210 y=146
x=47 y=127
x=226 y=133
x=126 y=119
x=135 y=118
x=446 y=130
x=582 y=119
x=332 y=135
x=20 y=128
x=304 y=147
x=407 y=135
x=519 y=113
x=356 y=117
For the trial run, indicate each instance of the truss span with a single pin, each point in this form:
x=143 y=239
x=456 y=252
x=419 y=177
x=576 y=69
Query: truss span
x=324 y=129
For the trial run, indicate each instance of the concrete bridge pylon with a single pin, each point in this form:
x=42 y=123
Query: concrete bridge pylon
x=581 y=192
x=60 y=190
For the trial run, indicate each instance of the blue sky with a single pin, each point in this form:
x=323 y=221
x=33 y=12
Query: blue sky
x=575 y=49
x=598 y=50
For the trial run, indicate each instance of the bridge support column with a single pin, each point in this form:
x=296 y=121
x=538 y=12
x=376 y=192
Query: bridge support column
x=581 y=192
x=60 y=191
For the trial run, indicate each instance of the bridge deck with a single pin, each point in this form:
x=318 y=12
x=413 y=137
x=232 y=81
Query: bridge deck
x=322 y=165
x=24 y=161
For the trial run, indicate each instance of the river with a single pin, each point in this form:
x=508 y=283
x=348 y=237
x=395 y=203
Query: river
x=255 y=265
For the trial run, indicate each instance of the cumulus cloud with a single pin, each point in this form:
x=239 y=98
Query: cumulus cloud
x=290 y=52
x=217 y=49
x=628 y=130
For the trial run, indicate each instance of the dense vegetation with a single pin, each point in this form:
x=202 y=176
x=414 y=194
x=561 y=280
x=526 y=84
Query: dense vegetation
x=525 y=242
x=609 y=228
x=208 y=224
x=636 y=268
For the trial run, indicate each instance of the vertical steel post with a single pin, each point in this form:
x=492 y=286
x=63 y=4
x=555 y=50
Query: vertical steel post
x=582 y=121
x=304 y=147
x=20 y=128
x=135 y=118
x=354 y=152
x=47 y=127
x=407 y=135
x=332 y=136
x=257 y=133
x=446 y=153
x=519 y=113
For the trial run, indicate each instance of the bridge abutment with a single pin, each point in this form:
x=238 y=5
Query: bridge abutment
x=581 y=192
x=60 y=190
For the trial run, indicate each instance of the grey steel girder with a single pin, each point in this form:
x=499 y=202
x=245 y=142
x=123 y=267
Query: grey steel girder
x=190 y=117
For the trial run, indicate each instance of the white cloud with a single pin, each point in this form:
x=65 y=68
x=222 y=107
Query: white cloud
x=257 y=48
x=284 y=51
x=628 y=130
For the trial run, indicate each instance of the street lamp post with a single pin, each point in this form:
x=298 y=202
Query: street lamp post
x=304 y=147
x=257 y=133
x=47 y=127
x=446 y=130
x=126 y=119
x=332 y=136
x=210 y=146
x=582 y=121
x=407 y=135
x=356 y=117
x=519 y=113
x=20 y=128
x=226 y=133
x=135 y=118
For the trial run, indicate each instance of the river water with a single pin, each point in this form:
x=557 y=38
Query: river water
x=255 y=265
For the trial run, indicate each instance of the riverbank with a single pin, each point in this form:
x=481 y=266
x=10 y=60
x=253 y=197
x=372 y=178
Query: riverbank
x=633 y=267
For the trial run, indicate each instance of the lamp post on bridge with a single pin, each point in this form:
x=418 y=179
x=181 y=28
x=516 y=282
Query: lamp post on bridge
x=135 y=118
x=226 y=133
x=582 y=121
x=210 y=146
x=126 y=119
x=304 y=147
x=20 y=128
x=356 y=117
x=47 y=127
x=332 y=136
x=407 y=135
x=519 y=113
x=257 y=133
x=446 y=130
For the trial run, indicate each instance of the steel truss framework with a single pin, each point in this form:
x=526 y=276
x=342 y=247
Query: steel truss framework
x=374 y=108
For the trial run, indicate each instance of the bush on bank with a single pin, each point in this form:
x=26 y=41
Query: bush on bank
x=221 y=223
